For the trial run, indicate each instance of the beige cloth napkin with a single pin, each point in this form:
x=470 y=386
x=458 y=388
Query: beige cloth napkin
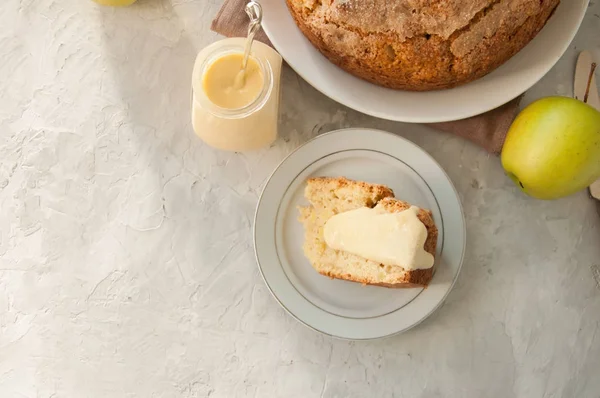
x=487 y=130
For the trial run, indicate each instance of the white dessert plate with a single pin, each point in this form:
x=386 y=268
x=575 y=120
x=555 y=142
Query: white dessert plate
x=502 y=85
x=340 y=308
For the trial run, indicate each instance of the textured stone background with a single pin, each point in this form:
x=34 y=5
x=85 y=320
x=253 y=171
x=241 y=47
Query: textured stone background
x=126 y=261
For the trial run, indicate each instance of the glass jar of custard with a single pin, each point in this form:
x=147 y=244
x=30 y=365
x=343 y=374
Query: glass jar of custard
x=236 y=114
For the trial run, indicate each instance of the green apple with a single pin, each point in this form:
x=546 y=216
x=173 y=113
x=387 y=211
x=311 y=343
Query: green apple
x=552 y=149
x=115 y=3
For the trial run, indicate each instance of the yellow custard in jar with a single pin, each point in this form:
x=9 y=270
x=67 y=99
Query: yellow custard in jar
x=229 y=87
x=233 y=110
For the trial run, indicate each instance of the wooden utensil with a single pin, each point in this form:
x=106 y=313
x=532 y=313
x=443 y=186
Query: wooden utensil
x=586 y=90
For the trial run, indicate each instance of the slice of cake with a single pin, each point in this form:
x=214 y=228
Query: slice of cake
x=359 y=232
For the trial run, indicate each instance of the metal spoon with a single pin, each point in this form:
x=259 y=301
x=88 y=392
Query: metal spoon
x=254 y=11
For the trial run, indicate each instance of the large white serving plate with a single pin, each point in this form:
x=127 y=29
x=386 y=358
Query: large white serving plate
x=340 y=308
x=505 y=83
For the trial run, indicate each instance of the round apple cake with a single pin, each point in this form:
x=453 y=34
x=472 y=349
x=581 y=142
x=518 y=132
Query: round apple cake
x=420 y=44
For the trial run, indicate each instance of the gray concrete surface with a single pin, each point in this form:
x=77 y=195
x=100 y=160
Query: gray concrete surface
x=126 y=260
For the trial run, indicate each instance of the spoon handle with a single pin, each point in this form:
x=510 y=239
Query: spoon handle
x=254 y=11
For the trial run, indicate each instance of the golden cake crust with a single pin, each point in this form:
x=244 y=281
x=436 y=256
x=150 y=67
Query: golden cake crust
x=420 y=45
